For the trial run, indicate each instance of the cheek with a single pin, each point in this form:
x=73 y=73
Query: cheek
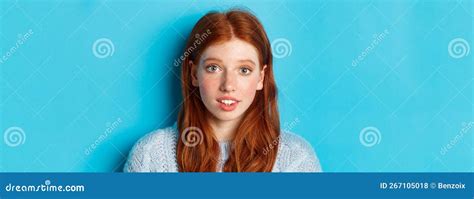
x=207 y=86
x=249 y=88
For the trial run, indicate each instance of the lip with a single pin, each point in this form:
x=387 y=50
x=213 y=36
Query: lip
x=226 y=107
x=227 y=98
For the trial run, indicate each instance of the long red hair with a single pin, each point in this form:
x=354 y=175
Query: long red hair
x=260 y=126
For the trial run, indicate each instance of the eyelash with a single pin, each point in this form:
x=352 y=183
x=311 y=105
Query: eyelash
x=208 y=69
x=249 y=70
x=212 y=65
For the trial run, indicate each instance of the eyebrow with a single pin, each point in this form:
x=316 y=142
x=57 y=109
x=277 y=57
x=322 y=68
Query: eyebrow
x=211 y=59
x=248 y=60
x=219 y=60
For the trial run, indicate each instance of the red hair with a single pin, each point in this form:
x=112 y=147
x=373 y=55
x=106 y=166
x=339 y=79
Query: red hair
x=260 y=126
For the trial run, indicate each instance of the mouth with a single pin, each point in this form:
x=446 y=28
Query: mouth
x=228 y=103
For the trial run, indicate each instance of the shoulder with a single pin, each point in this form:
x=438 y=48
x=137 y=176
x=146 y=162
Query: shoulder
x=157 y=138
x=295 y=154
x=153 y=152
x=291 y=141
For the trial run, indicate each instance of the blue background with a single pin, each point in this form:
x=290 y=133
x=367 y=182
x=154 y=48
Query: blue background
x=408 y=86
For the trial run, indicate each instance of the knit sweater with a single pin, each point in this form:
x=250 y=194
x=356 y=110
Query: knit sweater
x=156 y=152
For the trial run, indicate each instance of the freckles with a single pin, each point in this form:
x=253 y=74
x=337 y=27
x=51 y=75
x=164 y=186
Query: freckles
x=207 y=85
x=249 y=88
x=255 y=83
x=250 y=84
x=208 y=82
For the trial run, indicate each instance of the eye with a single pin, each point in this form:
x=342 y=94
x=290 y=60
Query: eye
x=245 y=70
x=212 y=68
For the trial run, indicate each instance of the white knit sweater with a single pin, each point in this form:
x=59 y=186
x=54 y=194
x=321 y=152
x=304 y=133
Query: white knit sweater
x=156 y=152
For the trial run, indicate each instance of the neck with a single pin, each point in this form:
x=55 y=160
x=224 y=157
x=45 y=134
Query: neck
x=224 y=130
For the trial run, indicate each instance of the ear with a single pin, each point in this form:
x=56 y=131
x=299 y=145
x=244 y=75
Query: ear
x=193 y=74
x=262 y=77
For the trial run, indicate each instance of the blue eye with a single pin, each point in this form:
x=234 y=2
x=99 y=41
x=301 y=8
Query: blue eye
x=245 y=70
x=212 y=68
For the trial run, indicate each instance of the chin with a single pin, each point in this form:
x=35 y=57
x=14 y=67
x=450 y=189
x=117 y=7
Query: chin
x=227 y=116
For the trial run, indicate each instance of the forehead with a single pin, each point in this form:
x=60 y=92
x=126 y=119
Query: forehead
x=230 y=51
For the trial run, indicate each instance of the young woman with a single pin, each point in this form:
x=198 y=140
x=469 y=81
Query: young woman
x=229 y=119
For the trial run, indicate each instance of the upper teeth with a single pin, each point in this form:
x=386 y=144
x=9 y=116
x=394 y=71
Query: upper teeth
x=227 y=102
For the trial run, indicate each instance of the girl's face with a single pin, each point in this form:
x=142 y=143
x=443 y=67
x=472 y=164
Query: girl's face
x=228 y=75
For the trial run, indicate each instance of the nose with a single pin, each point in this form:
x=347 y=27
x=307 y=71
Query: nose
x=228 y=82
